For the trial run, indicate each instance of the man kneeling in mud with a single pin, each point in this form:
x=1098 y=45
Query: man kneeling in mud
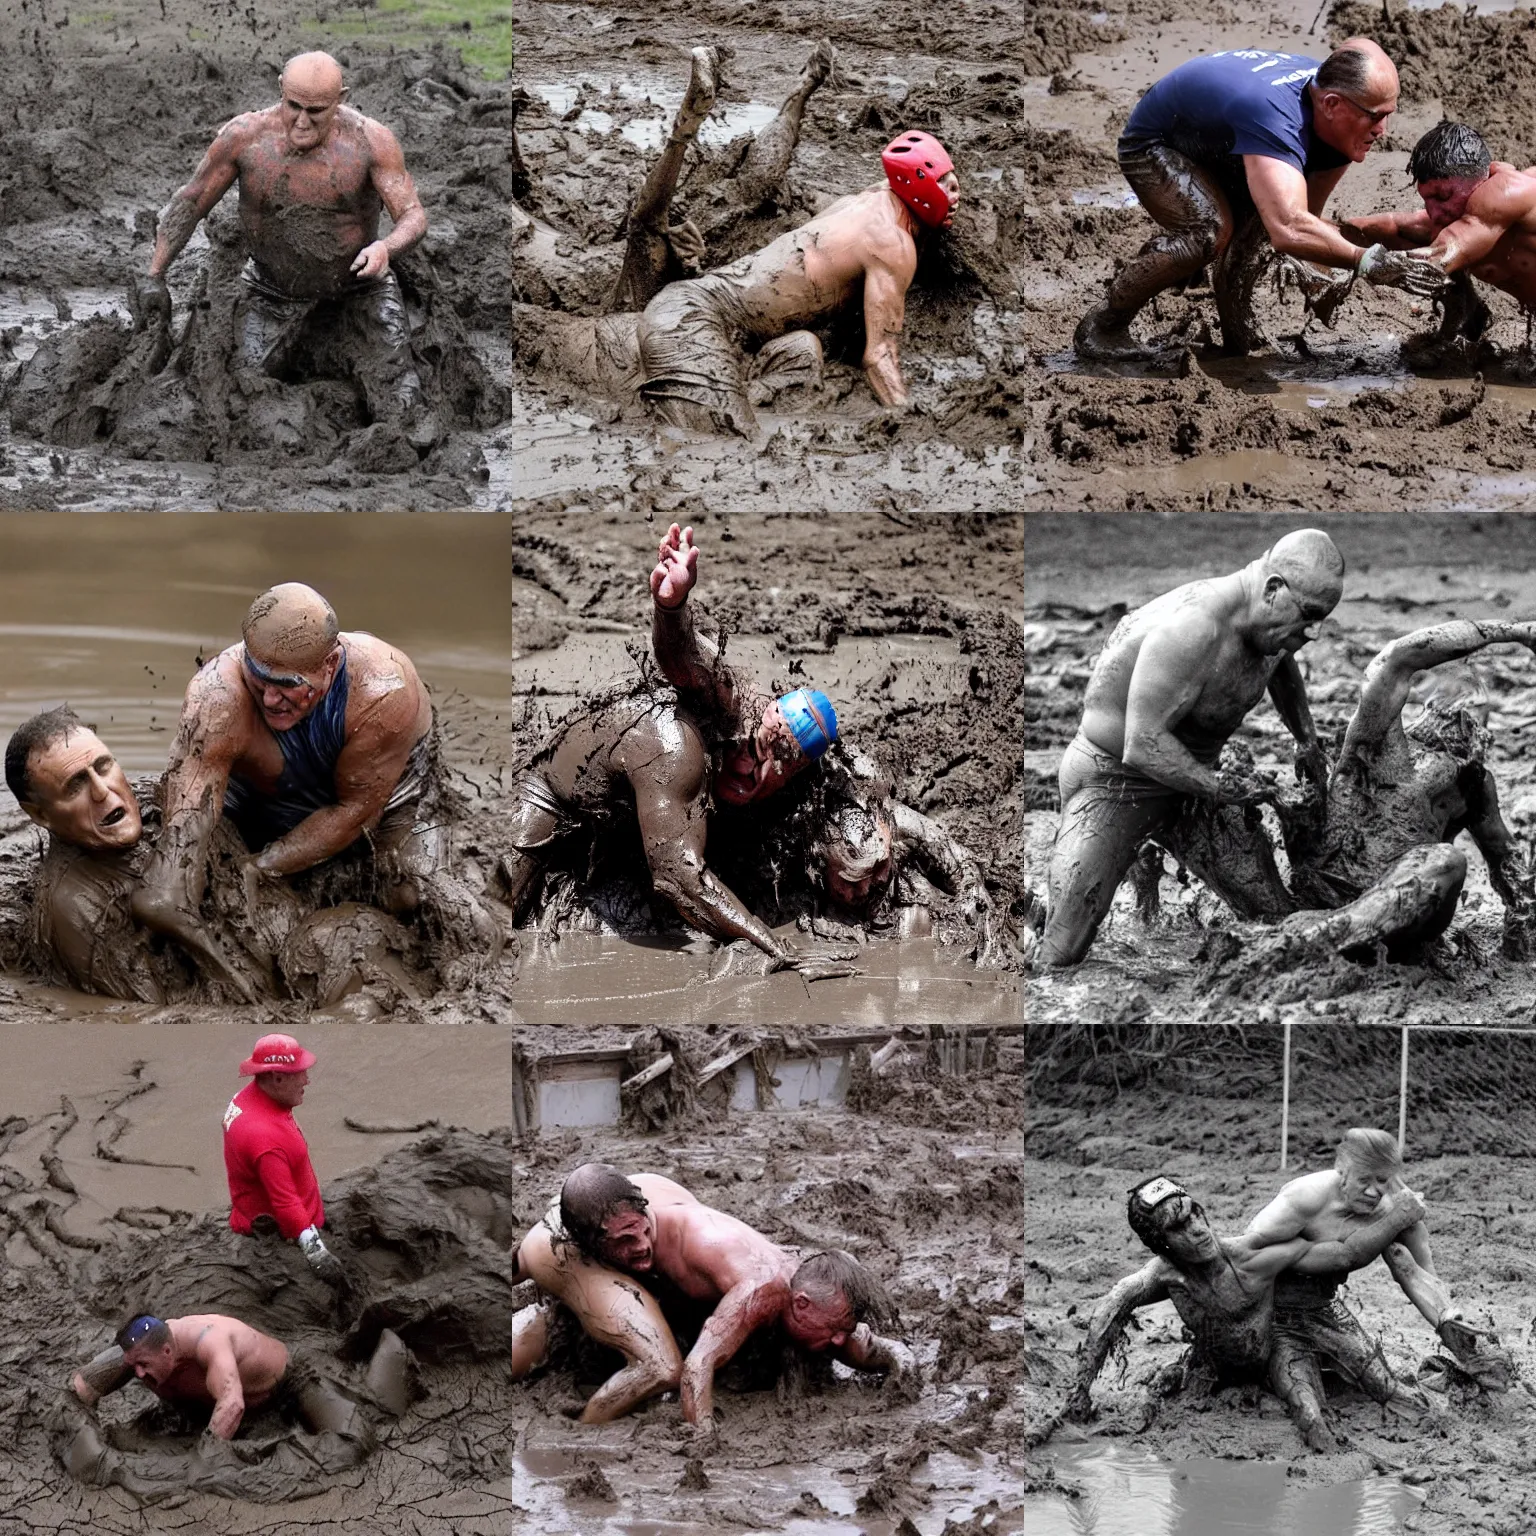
x=1224 y=1289
x=686 y=351
x=1175 y=680
x=309 y=739
x=209 y=1362
x=1374 y=847
x=314 y=175
x=1332 y=1207
x=607 y=1231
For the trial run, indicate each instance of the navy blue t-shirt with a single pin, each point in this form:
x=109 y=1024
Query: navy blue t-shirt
x=1246 y=102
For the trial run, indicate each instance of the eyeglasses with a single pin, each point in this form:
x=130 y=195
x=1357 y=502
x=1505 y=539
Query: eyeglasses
x=1376 y=117
x=271 y=678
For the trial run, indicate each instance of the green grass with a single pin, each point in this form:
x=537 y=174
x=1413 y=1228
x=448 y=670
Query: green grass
x=480 y=29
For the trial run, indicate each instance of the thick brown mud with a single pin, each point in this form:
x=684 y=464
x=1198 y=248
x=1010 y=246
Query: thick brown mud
x=121 y=105
x=924 y=679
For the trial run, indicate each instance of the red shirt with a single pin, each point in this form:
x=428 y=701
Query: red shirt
x=267 y=1160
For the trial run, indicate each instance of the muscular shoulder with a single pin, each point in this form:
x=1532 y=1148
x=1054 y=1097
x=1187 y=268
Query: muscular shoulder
x=381 y=140
x=1305 y=1197
x=216 y=699
x=1507 y=195
x=376 y=667
x=660 y=1190
x=239 y=133
x=887 y=242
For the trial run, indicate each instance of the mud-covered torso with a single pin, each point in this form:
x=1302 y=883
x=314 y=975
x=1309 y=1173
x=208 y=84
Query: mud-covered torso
x=307 y=216
x=593 y=759
x=1231 y=1320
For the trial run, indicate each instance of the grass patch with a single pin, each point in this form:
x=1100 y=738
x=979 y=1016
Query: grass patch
x=480 y=29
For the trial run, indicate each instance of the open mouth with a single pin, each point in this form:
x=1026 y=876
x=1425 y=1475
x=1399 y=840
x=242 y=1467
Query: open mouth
x=115 y=815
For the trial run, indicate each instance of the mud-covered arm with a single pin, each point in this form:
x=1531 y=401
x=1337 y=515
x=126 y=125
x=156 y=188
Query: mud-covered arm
x=887 y=276
x=1396 y=1213
x=1108 y=1322
x=866 y=1350
x=205 y=750
x=746 y=1307
x=1389 y=677
x=1288 y=693
x=1165 y=684
x=1283 y=199
x=191 y=203
x=668 y=778
x=102 y=1376
x=689 y=658
x=216 y=1354
x=379 y=741
x=1492 y=211
x=1396 y=231
x=397 y=192
x=1413 y=1267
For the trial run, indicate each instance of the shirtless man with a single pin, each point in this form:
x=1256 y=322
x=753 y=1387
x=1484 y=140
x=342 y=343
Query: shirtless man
x=686 y=351
x=1334 y=1207
x=314 y=175
x=1478 y=220
x=308 y=738
x=652 y=1229
x=1225 y=1290
x=211 y=1361
x=1175 y=680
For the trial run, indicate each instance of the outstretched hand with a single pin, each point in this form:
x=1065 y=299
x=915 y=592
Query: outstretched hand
x=688 y=246
x=150 y=301
x=677 y=568
x=1414 y=272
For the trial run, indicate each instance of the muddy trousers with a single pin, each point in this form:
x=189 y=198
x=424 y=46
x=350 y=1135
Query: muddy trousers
x=1207 y=218
x=1324 y=1334
x=1108 y=811
x=362 y=334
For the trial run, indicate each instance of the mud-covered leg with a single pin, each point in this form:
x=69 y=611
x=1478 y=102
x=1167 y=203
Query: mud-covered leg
x=1464 y=320
x=761 y=176
x=1235 y=276
x=1294 y=1374
x=1411 y=904
x=1228 y=847
x=1509 y=869
x=531 y=1334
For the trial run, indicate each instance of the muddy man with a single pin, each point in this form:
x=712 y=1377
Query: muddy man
x=607 y=1231
x=1224 y=1290
x=1239 y=147
x=308 y=738
x=1175 y=680
x=314 y=175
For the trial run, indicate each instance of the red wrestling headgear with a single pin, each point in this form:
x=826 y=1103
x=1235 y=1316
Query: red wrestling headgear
x=914 y=164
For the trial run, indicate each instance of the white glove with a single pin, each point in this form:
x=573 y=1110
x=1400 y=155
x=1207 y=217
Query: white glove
x=319 y=1257
x=1401 y=269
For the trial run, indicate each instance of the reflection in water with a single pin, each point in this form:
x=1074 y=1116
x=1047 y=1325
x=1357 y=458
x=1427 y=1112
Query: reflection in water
x=1129 y=1493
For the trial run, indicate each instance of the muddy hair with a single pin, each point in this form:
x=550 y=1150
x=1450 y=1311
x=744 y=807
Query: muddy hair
x=834 y=1274
x=589 y=1196
x=1371 y=1150
x=36 y=735
x=1144 y=1219
x=1347 y=70
x=1450 y=152
x=135 y=1335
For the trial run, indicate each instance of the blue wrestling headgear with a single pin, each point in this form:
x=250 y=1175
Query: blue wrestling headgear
x=809 y=714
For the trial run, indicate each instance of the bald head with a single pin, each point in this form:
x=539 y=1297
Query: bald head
x=290 y=627
x=1359 y=66
x=312 y=77
x=1310 y=564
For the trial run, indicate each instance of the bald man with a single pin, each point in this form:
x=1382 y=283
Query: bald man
x=1240 y=139
x=308 y=738
x=1176 y=679
x=314 y=175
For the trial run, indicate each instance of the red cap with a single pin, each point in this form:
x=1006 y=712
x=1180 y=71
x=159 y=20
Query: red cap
x=914 y=164
x=277 y=1053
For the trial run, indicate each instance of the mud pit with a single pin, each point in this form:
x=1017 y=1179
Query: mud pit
x=1202 y=1103
x=122 y=105
x=603 y=87
x=1339 y=418
x=924 y=674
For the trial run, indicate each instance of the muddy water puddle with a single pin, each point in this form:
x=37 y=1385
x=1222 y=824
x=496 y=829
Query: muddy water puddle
x=112 y=613
x=1120 y=1492
x=803 y=1499
x=648 y=108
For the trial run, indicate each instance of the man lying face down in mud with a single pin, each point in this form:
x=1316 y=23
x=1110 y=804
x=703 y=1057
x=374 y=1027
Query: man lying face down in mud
x=1478 y=220
x=1334 y=1208
x=82 y=929
x=607 y=1227
x=685 y=351
x=1173 y=683
x=214 y=1362
x=1237 y=147
x=719 y=739
x=308 y=739
x=1224 y=1289
x=314 y=175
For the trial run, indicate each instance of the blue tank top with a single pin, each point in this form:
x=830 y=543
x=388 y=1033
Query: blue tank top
x=308 y=779
x=1246 y=102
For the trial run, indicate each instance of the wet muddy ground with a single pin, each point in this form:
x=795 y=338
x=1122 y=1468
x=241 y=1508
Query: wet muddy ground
x=603 y=86
x=119 y=105
x=1336 y=418
x=909 y=622
x=1402 y=573
x=1203 y=1105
